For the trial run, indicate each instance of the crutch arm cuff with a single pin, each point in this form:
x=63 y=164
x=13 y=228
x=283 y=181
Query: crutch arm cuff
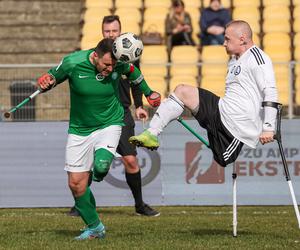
x=275 y=105
x=271 y=110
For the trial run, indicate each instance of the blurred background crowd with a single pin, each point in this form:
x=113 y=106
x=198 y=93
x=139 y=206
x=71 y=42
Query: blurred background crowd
x=182 y=43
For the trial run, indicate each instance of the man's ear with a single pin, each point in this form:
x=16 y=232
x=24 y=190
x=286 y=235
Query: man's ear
x=95 y=55
x=243 y=40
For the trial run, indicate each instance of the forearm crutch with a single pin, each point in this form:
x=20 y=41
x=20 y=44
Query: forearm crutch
x=7 y=114
x=277 y=137
x=193 y=131
x=234 y=202
x=234 y=176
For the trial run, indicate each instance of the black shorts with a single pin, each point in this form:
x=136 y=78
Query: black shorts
x=125 y=148
x=224 y=145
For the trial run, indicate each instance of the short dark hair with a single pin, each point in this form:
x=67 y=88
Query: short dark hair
x=110 y=19
x=105 y=46
x=177 y=3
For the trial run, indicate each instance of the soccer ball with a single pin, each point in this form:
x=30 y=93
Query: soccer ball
x=128 y=47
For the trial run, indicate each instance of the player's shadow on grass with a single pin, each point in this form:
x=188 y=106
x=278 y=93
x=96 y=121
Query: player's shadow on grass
x=69 y=233
x=73 y=233
x=218 y=232
x=223 y=232
x=63 y=232
x=108 y=211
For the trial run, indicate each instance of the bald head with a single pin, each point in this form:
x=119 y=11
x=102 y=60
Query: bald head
x=241 y=28
x=238 y=37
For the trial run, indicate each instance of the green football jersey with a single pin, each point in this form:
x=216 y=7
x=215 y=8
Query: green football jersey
x=95 y=102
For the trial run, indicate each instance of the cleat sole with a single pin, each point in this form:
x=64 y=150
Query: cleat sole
x=140 y=144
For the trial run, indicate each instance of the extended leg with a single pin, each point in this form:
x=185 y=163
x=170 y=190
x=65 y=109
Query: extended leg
x=169 y=110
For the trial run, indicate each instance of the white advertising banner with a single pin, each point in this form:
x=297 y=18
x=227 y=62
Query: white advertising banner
x=181 y=172
x=32 y=157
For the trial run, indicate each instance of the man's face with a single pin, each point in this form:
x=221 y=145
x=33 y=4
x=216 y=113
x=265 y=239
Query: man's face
x=111 y=30
x=178 y=9
x=215 y=5
x=232 y=41
x=104 y=64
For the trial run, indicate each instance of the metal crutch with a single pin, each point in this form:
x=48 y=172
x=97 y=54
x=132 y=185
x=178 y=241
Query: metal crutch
x=234 y=175
x=277 y=137
x=234 y=202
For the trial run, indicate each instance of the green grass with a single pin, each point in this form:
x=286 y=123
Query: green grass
x=177 y=228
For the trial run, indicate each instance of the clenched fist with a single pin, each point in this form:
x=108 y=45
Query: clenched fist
x=45 y=82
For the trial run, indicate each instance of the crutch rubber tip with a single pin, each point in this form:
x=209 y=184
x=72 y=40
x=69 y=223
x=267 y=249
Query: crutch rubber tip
x=6 y=114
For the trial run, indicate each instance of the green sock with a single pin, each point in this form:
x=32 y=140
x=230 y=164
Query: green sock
x=86 y=206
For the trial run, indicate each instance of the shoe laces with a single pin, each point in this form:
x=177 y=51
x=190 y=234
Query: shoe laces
x=84 y=229
x=85 y=234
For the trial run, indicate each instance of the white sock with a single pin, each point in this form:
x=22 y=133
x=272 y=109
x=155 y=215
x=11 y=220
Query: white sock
x=169 y=110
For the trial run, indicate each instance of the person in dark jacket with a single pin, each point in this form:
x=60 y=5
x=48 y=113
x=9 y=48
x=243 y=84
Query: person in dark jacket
x=212 y=23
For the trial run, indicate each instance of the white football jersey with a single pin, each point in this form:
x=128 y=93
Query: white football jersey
x=250 y=81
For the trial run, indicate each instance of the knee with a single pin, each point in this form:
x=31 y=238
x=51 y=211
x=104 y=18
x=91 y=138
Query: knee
x=130 y=163
x=77 y=187
x=179 y=88
x=188 y=95
x=102 y=162
x=101 y=168
x=182 y=91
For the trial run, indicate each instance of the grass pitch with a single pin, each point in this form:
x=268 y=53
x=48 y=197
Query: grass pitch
x=271 y=227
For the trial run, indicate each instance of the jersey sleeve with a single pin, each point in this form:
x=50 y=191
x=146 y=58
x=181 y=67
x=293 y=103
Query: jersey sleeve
x=62 y=71
x=265 y=79
x=264 y=75
x=136 y=78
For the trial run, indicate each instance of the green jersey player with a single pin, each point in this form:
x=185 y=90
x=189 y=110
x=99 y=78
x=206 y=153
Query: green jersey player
x=96 y=117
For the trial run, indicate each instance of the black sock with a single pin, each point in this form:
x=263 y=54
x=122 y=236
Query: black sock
x=134 y=182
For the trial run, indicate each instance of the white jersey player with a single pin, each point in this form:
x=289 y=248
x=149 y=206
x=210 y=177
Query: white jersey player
x=250 y=81
x=238 y=117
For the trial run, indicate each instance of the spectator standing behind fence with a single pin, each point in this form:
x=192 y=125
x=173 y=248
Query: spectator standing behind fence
x=178 y=26
x=212 y=23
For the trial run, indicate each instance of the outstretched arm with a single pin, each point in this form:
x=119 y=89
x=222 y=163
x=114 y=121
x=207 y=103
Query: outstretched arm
x=136 y=78
x=54 y=76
